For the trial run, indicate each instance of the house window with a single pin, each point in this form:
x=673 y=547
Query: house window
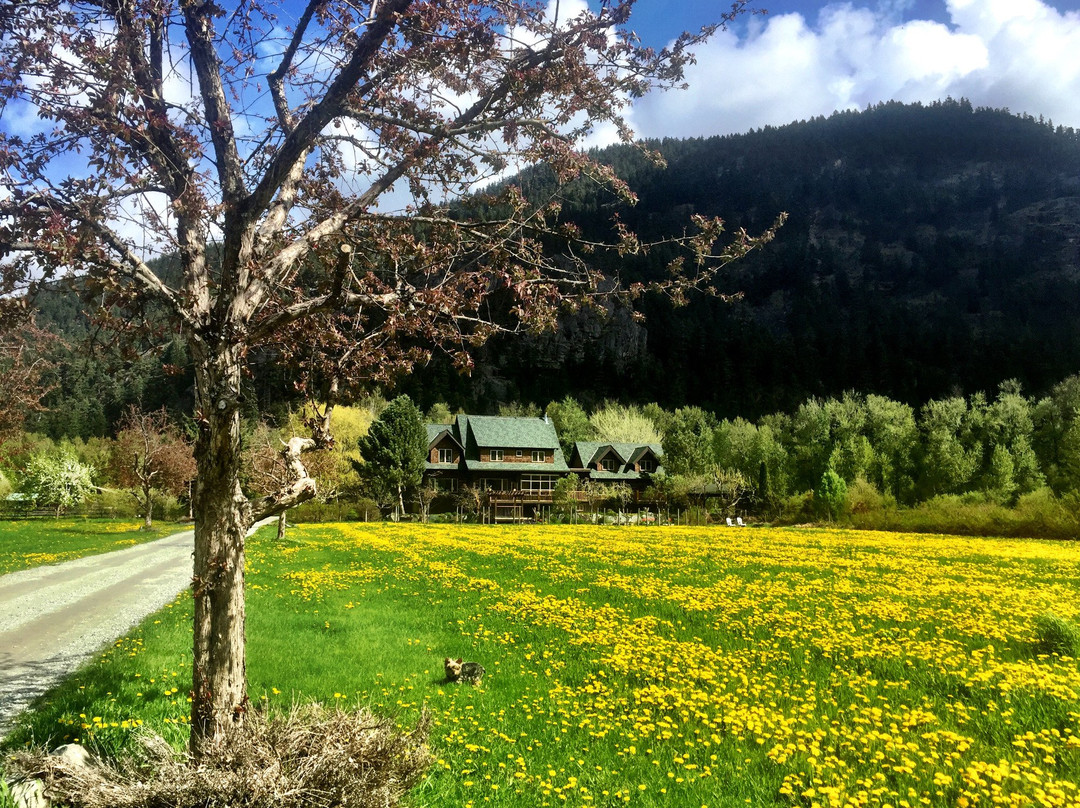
x=446 y=455
x=539 y=455
x=496 y=454
x=519 y=453
x=538 y=483
x=608 y=463
x=494 y=484
x=448 y=485
x=647 y=464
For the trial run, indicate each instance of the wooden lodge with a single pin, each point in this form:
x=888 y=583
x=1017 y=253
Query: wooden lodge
x=516 y=462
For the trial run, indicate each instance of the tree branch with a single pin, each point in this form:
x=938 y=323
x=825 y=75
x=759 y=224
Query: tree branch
x=300 y=486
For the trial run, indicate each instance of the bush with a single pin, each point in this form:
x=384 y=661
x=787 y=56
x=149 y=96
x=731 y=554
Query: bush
x=863 y=497
x=1038 y=514
x=1056 y=635
x=168 y=508
x=360 y=510
x=797 y=509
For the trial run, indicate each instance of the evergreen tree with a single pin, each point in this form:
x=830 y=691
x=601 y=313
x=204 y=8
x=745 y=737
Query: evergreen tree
x=393 y=451
x=830 y=496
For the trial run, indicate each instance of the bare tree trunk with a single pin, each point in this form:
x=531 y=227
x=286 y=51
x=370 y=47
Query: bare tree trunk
x=223 y=515
x=148 y=509
x=281 y=526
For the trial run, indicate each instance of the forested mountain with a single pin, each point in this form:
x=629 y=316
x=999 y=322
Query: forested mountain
x=929 y=250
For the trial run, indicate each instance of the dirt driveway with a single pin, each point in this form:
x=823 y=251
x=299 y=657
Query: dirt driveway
x=53 y=618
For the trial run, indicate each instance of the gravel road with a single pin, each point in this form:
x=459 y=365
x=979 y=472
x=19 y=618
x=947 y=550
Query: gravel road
x=54 y=618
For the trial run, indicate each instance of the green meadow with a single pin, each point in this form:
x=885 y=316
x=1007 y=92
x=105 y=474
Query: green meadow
x=650 y=666
x=32 y=542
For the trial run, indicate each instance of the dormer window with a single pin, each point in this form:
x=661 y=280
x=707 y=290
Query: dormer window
x=446 y=455
x=647 y=464
x=539 y=455
x=608 y=463
x=496 y=454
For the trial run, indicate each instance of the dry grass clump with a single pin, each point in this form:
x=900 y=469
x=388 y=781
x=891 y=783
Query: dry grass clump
x=312 y=758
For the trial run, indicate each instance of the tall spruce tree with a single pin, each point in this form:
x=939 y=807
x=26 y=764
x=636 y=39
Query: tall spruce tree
x=393 y=452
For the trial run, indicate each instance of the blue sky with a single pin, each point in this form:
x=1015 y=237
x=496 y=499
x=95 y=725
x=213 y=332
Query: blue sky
x=806 y=58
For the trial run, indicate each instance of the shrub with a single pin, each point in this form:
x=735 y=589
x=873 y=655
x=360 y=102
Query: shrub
x=360 y=510
x=1038 y=514
x=168 y=508
x=1056 y=635
x=797 y=509
x=863 y=497
x=111 y=503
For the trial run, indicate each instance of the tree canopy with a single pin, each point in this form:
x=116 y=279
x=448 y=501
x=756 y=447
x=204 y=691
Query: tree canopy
x=314 y=176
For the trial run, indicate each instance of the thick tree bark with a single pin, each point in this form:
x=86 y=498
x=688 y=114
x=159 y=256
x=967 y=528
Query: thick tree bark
x=219 y=689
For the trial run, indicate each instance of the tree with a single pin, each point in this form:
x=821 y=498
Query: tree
x=565 y=494
x=425 y=495
x=267 y=468
x=810 y=442
x=620 y=494
x=688 y=443
x=1056 y=439
x=474 y=499
x=394 y=450
x=830 y=496
x=319 y=204
x=439 y=413
x=621 y=424
x=58 y=478
x=948 y=462
x=731 y=488
x=571 y=423
x=891 y=428
x=150 y=455
x=22 y=367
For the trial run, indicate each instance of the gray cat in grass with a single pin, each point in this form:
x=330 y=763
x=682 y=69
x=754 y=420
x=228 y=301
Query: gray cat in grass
x=468 y=672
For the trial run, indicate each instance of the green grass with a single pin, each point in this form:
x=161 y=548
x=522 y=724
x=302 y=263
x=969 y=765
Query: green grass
x=32 y=542
x=681 y=667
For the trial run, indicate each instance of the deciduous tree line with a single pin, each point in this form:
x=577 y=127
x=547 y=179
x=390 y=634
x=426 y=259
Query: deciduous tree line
x=150 y=459
x=995 y=448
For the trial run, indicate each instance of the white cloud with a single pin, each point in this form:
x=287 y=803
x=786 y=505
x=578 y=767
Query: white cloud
x=1019 y=54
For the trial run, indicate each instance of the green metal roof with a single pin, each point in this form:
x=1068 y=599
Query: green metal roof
x=512 y=433
x=558 y=467
x=435 y=431
x=627 y=452
x=616 y=476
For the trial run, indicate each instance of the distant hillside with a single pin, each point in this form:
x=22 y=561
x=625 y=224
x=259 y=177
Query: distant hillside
x=929 y=249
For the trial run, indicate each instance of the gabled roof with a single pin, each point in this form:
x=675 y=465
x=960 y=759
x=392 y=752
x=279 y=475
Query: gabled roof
x=512 y=432
x=435 y=433
x=590 y=452
x=641 y=451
